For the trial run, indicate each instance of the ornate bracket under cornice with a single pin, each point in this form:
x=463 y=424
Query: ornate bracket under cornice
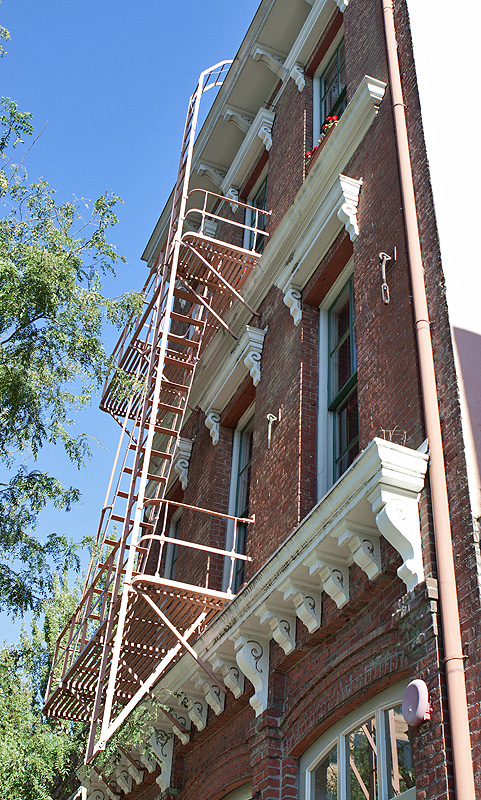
x=197 y=710
x=213 y=695
x=347 y=213
x=162 y=745
x=242 y=119
x=397 y=517
x=215 y=173
x=212 y=423
x=230 y=673
x=363 y=543
x=259 y=133
x=342 y=4
x=281 y=623
x=307 y=601
x=273 y=59
x=181 y=461
x=293 y=300
x=297 y=75
x=252 y=656
x=334 y=576
x=243 y=359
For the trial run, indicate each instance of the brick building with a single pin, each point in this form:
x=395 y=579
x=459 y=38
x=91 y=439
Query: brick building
x=315 y=436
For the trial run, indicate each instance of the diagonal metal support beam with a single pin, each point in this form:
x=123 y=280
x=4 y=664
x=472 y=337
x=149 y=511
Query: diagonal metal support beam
x=182 y=640
x=221 y=278
x=204 y=303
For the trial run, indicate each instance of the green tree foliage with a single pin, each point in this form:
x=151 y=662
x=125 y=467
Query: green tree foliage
x=36 y=755
x=52 y=314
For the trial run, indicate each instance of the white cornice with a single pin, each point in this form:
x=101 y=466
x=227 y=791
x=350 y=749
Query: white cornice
x=259 y=135
x=227 y=369
x=308 y=37
x=378 y=495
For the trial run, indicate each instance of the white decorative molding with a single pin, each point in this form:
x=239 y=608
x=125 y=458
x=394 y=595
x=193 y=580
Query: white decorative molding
x=281 y=623
x=213 y=695
x=398 y=521
x=182 y=732
x=333 y=574
x=212 y=423
x=209 y=227
x=297 y=75
x=259 y=133
x=342 y=4
x=293 y=300
x=242 y=359
x=364 y=545
x=232 y=193
x=181 y=461
x=197 y=710
x=307 y=601
x=162 y=745
x=123 y=780
x=347 y=213
x=273 y=59
x=252 y=656
x=214 y=172
x=242 y=119
x=253 y=352
x=231 y=674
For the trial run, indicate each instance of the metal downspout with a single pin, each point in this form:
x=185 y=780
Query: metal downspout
x=454 y=666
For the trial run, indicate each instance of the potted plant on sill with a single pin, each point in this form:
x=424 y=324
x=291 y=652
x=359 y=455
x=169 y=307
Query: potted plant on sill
x=326 y=129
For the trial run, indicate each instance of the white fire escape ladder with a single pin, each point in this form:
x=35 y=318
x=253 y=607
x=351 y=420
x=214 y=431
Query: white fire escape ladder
x=132 y=623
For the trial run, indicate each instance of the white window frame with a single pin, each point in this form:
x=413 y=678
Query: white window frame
x=336 y=735
x=325 y=418
x=316 y=87
x=250 y=216
x=229 y=538
x=170 y=548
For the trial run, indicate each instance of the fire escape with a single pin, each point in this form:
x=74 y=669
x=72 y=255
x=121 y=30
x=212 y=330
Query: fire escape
x=133 y=623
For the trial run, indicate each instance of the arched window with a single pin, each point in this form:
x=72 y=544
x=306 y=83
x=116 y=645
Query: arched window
x=366 y=756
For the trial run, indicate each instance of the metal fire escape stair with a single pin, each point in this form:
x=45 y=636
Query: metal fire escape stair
x=133 y=623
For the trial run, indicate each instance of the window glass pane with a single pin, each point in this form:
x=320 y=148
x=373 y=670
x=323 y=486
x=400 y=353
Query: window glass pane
x=362 y=755
x=257 y=242
x=325 y=777
x=333 y=86
x=399 y=753
x=242 y=499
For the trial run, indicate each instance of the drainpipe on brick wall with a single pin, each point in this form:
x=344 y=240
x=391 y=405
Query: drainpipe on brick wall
x=454 y=662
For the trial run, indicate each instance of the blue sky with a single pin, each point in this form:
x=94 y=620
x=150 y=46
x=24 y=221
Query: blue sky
x=110 y=81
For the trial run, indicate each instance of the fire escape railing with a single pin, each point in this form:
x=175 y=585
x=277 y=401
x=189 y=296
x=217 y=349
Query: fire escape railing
x=134 y=621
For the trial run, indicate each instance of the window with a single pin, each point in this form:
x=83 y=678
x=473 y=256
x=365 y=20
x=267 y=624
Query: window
x=330 y=95
x=333 y=85
x=258 y=200
x=342 y=380
x=171 y=550
x=368 y=756
x=239 y=497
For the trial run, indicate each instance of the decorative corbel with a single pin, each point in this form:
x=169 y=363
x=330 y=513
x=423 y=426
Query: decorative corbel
x=209 y=227
x=342 y=5
x=347 y=213
x=252 y=352
x=293 y=300
x=231 y=675
x=215 y=173
x=307 y=602
x=252 y=656
x=181 y=461
x=197 y=710
x=123 y=780
x=241 y=119
x=281 y=623
x=397 y=517
x=364 y=545
x=333 y=575
x=162 y=744
x=213 y=695
x=232 y=193
x=212 y=422
x=274 y=61
x=297 y=75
